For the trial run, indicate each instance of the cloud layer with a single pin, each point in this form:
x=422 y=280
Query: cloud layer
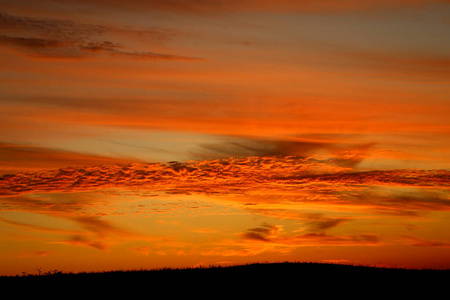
x=221 y=6
x=292 y=178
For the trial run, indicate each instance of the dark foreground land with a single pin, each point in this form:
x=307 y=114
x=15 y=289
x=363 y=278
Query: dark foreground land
x=259 y=277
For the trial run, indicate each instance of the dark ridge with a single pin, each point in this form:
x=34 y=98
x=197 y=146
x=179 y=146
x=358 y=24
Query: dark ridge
x=287 y=273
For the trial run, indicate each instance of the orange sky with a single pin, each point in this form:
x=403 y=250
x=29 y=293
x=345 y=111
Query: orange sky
x=141 y=134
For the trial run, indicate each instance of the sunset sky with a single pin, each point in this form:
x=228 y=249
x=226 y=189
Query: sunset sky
x=143 y=134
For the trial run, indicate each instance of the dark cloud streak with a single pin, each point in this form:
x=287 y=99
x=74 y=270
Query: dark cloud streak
x=55 y=38
x=272 y=234
x=346 y=154
x=16 y=158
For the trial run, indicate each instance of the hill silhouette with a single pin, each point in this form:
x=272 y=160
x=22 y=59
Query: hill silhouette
x=257 y=275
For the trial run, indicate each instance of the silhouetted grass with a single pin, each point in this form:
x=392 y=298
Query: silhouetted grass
x=257 y=275
x=275 y=280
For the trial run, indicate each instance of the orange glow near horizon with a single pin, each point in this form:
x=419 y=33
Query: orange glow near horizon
x=224 y=211
x=153 y=134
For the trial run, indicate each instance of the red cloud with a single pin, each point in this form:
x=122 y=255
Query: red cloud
x=262 y=179
x=216 y=176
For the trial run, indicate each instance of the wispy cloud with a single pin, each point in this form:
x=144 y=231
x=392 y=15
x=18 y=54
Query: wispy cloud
x=56 y=38
x=263 y=233
x=272 y=234
x=395 y=64
x=273 y=239
x=320 y=223
x=35 y=227
x=345 y=154
x=18 y=158
x=34 y=253
x=91 y=231
x=50 y=27
x=415 y=241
